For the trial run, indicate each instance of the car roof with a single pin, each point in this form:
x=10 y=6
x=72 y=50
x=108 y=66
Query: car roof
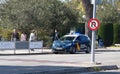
x=74 y=35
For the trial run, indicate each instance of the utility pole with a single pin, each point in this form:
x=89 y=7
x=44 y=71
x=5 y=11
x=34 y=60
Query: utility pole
x=93 y=35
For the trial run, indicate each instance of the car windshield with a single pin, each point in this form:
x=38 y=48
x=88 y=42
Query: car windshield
x=67 y=38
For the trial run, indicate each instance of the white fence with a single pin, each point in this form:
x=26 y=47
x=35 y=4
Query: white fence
x=7 y=45
x=20 y=45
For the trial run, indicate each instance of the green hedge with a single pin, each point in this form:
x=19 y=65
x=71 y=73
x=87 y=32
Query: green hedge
x=106 y=33
x=116 y=33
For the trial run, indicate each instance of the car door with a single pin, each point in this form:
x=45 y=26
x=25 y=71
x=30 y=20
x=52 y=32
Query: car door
x=82 y=41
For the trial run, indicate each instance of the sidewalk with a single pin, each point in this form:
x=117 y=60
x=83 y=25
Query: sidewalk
x=25 y=51
x=48 y=51
x=108 y=49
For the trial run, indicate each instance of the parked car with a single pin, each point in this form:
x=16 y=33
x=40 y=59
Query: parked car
x=72 y=44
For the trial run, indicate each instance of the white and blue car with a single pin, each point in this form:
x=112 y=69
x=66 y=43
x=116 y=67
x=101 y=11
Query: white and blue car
x=72 y=44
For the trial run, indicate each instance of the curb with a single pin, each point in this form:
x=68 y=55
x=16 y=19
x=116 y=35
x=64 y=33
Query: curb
x=76 y=70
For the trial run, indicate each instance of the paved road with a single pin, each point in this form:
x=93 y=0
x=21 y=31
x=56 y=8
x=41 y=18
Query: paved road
x=101 y=72
x=17 y=64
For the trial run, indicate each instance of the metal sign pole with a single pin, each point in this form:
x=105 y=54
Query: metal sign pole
x=93 y=35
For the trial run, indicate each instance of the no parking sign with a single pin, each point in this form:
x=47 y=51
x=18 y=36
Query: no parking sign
x=93 y=24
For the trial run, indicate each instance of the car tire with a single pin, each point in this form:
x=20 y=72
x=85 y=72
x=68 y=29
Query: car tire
x=72 y=50
x=88 y=49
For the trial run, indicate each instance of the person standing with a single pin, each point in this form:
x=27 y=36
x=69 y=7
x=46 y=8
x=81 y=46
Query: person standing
x=32 y=37
x=23 y=37
x=100 y=42
x=15 y=35
x=56 y=35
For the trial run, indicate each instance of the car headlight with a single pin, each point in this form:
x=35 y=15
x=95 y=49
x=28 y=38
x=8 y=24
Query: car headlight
x=53 y=45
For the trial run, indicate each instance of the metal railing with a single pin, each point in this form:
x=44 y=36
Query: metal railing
x=20 y=45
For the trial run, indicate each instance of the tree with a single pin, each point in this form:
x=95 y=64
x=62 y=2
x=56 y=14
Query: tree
x=37 y=13
x=89 y=13
x=83 y=7
x=77 y=6
x=117 y=4
x=41 y=15
x=106 y=12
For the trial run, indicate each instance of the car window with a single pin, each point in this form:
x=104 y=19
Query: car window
x=78 y=38
x=84 y=38
x=67 y=38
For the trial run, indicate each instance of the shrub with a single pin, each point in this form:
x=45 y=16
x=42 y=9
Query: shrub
x=116 y=33
x=106 y=33
x=6 y=34
x=44 y=35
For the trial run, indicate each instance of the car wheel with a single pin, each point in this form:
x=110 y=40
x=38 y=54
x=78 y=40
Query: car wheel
x=88 y=49
x=72 y=50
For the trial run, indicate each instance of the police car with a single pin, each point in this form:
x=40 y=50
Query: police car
x=72 y=44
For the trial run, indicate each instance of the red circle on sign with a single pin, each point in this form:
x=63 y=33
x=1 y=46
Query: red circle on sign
x=93 y=24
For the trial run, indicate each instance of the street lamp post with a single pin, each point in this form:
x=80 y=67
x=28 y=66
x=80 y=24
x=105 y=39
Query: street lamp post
x=86 y=28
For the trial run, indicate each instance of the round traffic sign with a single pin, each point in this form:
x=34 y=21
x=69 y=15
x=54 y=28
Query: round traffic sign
x=93 y=24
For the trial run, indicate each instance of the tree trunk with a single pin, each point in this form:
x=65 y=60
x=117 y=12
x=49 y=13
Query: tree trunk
x=89 y=14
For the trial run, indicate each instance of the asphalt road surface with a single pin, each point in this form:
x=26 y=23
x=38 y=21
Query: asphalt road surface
x=48 y=61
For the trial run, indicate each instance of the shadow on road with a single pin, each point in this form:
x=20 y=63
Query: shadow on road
x=106 y=73
x=38 y=69
x=5 y=69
